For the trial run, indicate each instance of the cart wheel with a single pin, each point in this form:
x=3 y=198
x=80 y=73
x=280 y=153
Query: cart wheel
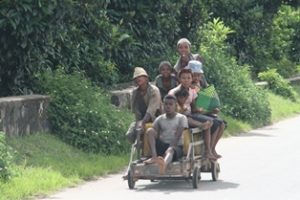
x=130 y=180
x=196 y=177
x=215 y=169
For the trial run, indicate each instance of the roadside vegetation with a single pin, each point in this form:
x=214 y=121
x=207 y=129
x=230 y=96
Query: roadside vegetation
x=41 y=163
x=48 y=49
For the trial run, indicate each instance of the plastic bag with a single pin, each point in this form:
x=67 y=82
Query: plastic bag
x=208 y=99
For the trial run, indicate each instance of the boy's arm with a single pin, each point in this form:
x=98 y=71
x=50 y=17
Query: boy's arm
x=195 y=109
x=183 y=124
x=178 y=135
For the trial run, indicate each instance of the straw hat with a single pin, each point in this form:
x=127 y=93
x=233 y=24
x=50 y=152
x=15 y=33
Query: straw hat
x=195 y=66
x=139 y=71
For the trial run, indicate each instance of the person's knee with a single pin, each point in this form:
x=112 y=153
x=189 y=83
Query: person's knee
x=223 y=125
x=215 y=126
x=170 y=150
x=151 y=132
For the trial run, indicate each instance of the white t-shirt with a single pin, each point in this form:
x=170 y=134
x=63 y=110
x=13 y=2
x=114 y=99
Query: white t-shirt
x=167 y=127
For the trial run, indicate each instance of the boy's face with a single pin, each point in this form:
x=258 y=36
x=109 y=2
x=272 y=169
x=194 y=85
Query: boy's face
x=196 y=77
x=165 y=71
x=181 y=100
x=184 y=49
x=141 y=80
x=169 y=106
x=186 y=79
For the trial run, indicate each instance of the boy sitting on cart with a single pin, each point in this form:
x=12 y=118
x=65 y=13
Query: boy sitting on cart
x=165 y=137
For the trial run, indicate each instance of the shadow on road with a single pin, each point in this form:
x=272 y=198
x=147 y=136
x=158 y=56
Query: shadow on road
x=251 y=134
x=183 y=186
x=262 y=132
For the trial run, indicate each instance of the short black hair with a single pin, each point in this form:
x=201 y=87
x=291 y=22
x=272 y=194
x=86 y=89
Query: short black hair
x=185 y=71
x=167 y=63
x=182 y=93
x=170 y=97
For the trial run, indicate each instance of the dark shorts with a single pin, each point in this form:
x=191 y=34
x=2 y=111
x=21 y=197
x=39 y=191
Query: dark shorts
x=204 y=118
x=218 y=119
x=161 y=148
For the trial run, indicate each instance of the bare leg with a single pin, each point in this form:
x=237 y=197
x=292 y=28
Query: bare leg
x=202 y=125
x=167 y=160
x=169 y=156
x=207 y=135
x=215 y=138
x=151 y=133
x=207 y=144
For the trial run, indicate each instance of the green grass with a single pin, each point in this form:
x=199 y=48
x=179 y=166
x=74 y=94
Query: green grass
x=235 y=126
x=43 y=163
x=31 y=181
x=282 y=107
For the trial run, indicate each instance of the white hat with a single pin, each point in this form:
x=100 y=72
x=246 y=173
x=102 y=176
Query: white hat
x=195 y=66
x=183 y=40
x=139 y=71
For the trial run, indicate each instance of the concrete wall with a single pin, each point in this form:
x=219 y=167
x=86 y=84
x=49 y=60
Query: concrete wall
x=122 y=97
x=21 y=115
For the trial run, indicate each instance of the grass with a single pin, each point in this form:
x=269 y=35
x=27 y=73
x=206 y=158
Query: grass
x=282 y=107
x=44 y=150
x=43 y=163
x=31 y=181
x=235 y=126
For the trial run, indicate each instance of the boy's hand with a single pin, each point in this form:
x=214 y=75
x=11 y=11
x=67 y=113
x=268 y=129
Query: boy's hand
x=215 y=111
x=200 y=110
x=140 y=125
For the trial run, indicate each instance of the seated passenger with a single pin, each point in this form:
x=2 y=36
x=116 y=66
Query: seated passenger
x=165 y=81
x=185 y=79
x=165 y=138
x=146 y=103
x=198 y=83
x=181 y=96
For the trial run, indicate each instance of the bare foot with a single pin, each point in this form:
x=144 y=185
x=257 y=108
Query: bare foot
x=151 y=160
x=161 y=163
x=210 y=156
x=216 y=154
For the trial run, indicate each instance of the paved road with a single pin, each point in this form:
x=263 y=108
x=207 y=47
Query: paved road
x=261 y=164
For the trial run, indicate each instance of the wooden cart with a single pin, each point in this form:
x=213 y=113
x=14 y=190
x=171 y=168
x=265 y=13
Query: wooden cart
x=189 y=167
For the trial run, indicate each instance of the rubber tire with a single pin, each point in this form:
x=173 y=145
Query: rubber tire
x=130 y=180
x=196 y=177
x=215 y=171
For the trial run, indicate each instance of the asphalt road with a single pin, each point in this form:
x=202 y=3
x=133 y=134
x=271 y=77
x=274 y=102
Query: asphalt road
x=261 y=164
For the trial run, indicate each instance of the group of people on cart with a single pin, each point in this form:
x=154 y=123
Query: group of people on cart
x=170 y=105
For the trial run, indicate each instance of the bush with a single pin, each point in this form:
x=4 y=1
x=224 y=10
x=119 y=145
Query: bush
x=82 y=115
x=240 y=97
x=285 y=40
x=277 y=84
x=5 y=159
x=39 y=35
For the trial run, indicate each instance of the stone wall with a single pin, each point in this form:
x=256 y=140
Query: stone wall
x=21 y=115
x=122 y=97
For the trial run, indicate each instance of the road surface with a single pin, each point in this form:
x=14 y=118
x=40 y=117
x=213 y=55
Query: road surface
x=261 y=164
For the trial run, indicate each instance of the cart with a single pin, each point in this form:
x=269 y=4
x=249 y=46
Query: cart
x=189 y=167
